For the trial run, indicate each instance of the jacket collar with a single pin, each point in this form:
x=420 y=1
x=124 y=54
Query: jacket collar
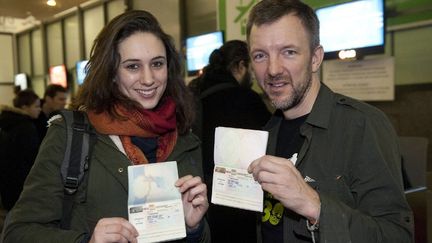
x=322 y=108
x=318 y=117
x=184 y=143
x=13 y=109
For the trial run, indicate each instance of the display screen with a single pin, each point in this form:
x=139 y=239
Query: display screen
x=358 y=25
x=199 y=48
x=58 y=75
x=21 y=80
x=80 y=71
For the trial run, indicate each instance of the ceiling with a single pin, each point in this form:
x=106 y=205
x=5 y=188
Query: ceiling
x=37 y=8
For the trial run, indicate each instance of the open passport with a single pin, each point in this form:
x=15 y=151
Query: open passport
x=234 y=151
x=154 y=203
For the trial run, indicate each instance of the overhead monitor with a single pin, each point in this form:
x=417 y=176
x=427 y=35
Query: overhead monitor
x=21 y=80
x=58 y=75
x=356 y=27
x=199 y=48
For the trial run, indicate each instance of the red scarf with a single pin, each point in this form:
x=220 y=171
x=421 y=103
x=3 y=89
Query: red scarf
x=159 y=122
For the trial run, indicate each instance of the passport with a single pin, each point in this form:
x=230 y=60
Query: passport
x=234 y=150
x=154 y=202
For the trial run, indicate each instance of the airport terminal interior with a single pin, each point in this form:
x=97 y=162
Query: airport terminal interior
x=391 y=70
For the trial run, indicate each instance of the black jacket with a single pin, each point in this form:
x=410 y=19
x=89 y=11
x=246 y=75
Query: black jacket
x=19 y=144
x=351 y=158
x=229 y=106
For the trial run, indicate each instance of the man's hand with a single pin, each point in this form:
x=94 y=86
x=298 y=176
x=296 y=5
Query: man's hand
x=279 y=177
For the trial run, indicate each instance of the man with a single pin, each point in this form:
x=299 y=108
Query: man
x=336 y=171
x=53 y=101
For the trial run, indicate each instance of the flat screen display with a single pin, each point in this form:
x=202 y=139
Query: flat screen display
x=21 y=80
x=80 y=71
x=358 y=25
x=199 y=48
x=58 y=75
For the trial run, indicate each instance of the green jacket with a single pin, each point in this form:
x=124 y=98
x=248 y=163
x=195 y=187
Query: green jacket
x=351 y=157
x=37 y=214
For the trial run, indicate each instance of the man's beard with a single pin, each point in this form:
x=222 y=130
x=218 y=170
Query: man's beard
x=299 y=92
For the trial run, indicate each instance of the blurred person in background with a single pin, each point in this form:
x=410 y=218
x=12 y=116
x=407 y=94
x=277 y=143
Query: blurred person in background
x=54 y=100
x=19 y=144
x=226 y=99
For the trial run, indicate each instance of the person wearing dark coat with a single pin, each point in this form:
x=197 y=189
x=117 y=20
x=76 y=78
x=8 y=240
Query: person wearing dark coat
x=226 y=99
x=54 y=100
x=19 y=144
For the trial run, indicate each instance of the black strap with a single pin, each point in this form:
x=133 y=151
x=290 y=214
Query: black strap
x=80 y=139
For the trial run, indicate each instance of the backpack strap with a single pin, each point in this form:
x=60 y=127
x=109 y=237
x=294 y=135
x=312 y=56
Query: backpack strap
x=80 y=140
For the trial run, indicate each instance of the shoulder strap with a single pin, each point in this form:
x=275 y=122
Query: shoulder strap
x=80 y=139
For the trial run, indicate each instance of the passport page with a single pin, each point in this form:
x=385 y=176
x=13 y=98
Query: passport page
x=234 y=150
x=154 y=204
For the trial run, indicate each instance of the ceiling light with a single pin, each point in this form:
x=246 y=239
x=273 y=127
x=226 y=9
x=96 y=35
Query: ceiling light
x=51 y=3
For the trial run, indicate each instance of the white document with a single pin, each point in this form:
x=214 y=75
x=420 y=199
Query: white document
x=234 y=150
x=154 y=204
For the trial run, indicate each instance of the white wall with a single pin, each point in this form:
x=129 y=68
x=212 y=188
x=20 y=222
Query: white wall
x=7 y=69
x=167 y=13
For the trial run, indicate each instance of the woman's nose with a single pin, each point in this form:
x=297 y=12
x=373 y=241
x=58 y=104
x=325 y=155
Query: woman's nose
x=146 y=77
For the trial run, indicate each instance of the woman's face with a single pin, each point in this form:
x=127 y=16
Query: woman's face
x=143 y=71
x=33 y=110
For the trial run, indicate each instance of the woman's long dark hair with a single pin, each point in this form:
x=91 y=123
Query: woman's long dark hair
x=223 y=60
x=100 y=93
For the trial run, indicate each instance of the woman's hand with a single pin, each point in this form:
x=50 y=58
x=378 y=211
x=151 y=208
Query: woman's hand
x=114 y=230
x=194 y=197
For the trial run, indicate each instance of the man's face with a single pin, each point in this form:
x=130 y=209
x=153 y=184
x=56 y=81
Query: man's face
x=282 y=60
x=58 y=102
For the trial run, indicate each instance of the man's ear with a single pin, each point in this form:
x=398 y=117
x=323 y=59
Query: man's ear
x=317 y=58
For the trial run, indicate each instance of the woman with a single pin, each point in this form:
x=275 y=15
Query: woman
x=19 y=143
x=137 y=102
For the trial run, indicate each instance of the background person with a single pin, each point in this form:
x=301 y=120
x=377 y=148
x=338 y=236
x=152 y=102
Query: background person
x=333 y=173
x=226 y=99
x=19 y=143
x=54 y=100
x=136 y=99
